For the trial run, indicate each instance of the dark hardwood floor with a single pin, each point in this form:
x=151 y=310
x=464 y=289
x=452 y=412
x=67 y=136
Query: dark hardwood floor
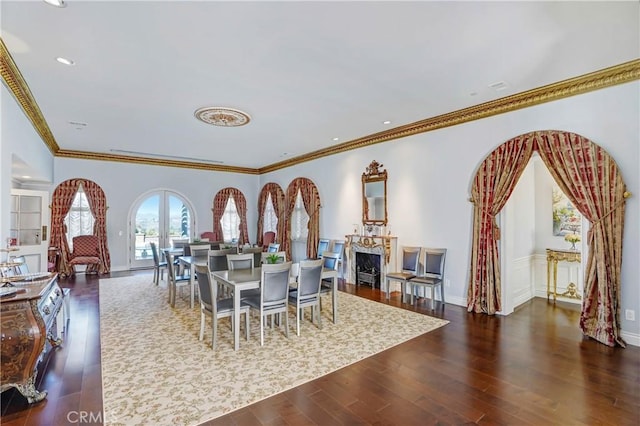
x=530 y=368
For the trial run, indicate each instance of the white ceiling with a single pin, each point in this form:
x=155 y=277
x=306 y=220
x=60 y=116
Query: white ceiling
x=306 y=72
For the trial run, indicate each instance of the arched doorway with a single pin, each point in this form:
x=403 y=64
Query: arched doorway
x=159 y=217
x=592 y=181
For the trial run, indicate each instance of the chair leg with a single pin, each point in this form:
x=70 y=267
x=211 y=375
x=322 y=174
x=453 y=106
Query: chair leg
x=214 y=331
x=261 y=329
x=286 y=323
x=319 y=318
x=155 y=275
x=442 y=293
x=299 y=312
x=201 y=325
x=246 y=325
x=433 y=296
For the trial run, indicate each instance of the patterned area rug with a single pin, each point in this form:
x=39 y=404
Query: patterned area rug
x=155 y=371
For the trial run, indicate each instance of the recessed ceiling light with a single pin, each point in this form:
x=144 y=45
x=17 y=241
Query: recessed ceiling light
x=56 y=3
x=65 y=61
x=386 y=122
x=336 y=139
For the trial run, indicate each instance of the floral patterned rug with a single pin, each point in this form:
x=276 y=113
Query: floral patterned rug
x=155 y=371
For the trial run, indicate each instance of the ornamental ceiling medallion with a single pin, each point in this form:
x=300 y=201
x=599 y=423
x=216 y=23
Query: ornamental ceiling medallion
x=222 y=116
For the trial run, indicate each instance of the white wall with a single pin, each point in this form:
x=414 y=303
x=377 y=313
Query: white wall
x=123 y=183
x=429 y=179
x=430 y=175
x=18 y=138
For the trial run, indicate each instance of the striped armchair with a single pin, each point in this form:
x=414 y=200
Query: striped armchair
x=86 y=251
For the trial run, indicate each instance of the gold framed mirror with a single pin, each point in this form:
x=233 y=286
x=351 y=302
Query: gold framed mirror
x=374 y=195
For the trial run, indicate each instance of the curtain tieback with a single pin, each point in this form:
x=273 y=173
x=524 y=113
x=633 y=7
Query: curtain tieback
x=492 y=217
x=615 y=207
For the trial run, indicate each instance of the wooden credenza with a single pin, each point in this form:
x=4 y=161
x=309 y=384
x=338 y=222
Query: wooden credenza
x=31 y=323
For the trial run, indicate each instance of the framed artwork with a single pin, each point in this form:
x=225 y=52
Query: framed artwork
x=566 y=218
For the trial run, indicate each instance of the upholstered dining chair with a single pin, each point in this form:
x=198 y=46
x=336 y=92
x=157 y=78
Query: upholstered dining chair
x=215 y=308
x=257 y=254
x=174 y=279
x=274 y=294
x=338 y=247
x=273 y=247
x=330 y=260
x=323 y=245
x=158 y=266
x=240 y=261
x=433 y=274
x=218 y=259
x=208 y=235
x=307 y=294
x=410 y=261
x=86 y=251
x=268 y=238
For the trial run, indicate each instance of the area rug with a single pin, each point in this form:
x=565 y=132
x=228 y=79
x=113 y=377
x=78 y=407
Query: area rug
x=156 y=371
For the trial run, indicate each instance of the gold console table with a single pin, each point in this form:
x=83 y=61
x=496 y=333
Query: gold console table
x=553 y=257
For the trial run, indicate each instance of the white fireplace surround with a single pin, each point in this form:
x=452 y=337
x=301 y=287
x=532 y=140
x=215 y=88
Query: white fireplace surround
x=384 y=246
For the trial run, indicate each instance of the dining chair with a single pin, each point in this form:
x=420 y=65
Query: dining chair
x=199 y=249
x=338 y=247
x=257 y=254
x=240 y=261
x=274 y=294
x=409 y=270
x=329 y=261
x=212 y=306
x=307 y=293
x=268 y=238
x=433 y=274
x=323 y=245
x=158 y=266
x=175 y=280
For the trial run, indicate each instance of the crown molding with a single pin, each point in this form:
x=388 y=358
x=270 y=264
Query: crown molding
x=618 y=74
x=86 y=155
x=601 y=79
x=20 y=90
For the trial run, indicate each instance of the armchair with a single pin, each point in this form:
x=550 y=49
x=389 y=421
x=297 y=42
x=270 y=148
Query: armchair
x=86 y=251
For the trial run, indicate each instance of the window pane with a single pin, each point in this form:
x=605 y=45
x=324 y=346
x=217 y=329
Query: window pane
x=230 y=222
x=147 y=226
x=179 y=219
x=270 y=217
x=299 y=220
x=79 y=220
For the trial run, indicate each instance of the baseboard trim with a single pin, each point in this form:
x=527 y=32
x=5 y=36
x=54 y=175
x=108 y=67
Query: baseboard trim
x=632 y=339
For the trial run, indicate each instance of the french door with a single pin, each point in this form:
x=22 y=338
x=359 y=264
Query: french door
x=158 y=217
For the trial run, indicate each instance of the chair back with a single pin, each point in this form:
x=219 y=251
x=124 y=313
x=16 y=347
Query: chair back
x=281 y=255
x=208 y=235
x=338 y=247
x=275 y=284
x=410 y=259
x=208 y=292
x=170 y=260
x=239 y=261
x=86 y=246
x=323 y=245
x=268 y=238
x=154 y=252
x=199 y=249
x=21 y=268
x=309 y=278
x=218 y=259
x=273 y=247
x=330 y=260
x=257 y=254
x=434 y=262
x=179 y=243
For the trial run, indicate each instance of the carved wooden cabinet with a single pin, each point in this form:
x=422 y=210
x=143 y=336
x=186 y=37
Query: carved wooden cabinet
x=31 y=321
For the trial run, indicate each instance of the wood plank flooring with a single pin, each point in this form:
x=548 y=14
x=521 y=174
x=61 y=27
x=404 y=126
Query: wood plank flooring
x=530 y=368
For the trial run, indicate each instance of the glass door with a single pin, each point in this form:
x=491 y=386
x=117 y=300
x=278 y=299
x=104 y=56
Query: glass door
x=158 y=218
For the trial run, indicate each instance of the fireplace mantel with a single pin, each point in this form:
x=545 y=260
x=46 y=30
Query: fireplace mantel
x=383 y=245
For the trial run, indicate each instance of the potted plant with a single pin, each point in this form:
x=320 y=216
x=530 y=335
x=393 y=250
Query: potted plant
x=273 y=258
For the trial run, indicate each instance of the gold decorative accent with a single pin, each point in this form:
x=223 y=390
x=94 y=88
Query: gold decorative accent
x=222 y=116
x=553 y=257
x=18 y=86
x=626 y=194
x=601 y=79
x=374 y=187
x=370 y=242
x=85 y=155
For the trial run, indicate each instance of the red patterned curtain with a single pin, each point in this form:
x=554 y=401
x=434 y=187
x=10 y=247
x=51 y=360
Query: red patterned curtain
x=62 y=199
x=590 y=178
x=220 y=203
x=311 y=200
x=592 y=181
x=492 y=186
x=277 y=198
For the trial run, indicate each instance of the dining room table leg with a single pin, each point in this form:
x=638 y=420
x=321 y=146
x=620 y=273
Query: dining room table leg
x=192 y=282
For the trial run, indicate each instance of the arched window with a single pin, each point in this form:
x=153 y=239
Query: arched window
x=270 y=217
x=299 y=221
x=230 y=222
x=79 y=220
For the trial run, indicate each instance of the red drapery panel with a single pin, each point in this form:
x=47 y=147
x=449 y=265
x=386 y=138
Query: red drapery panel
x=492 y=186
x=220 y=203
x=61 y=202
x=277 y=198
x=590 y=178
x=311 y=200
x=592 y=181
